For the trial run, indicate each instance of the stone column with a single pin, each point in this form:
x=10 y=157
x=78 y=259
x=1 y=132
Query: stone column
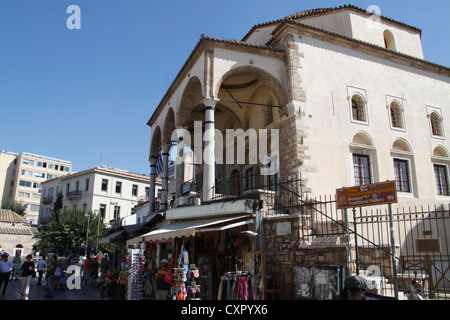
x=179 y=172
x=165 y=176
x=151 y=195
x=208 y=152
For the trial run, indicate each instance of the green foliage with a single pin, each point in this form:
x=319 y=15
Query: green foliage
x=14 y=206
x=68 y=230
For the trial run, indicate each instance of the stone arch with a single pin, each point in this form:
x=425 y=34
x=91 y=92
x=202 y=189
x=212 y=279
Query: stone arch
x=363 y=139
x=169 y=126
x=263 y=77
x=191 y=99
x=402 y=145
x=440 y=151
x=155 y=142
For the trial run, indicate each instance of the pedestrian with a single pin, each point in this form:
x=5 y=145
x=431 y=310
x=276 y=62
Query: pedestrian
x=5 y=271
x=162 y=287
x=123 y=264
x=87 y=270
x=57 y=274
x=26 y=273
x=50 y=276
x=105 y=265
x=94 y=270
x=40 y=269
x=17 y=265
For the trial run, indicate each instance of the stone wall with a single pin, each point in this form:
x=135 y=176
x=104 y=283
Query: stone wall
x=284 y=248
x=10 y=241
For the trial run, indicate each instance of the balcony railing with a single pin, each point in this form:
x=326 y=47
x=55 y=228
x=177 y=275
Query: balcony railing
x=47 y=200
x=74 y=194
x=280 y=194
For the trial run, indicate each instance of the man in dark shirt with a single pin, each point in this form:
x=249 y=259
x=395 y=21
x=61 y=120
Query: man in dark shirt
x=26 y=273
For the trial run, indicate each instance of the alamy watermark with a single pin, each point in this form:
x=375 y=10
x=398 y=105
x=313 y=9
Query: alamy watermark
x=74 y=20
x=375 y=12
x=74 y=277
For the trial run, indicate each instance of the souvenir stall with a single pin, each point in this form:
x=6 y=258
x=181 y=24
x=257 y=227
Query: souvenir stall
x=200 y=260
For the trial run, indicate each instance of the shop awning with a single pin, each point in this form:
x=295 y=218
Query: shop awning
x=189 y=228
x=110 y=237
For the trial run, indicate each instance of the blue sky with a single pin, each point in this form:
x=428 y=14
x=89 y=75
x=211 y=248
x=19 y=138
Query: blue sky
x=86 y=95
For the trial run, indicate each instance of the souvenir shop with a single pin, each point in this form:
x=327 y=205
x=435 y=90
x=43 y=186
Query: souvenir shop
x=210 y=263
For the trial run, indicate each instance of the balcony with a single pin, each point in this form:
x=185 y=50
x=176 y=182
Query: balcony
x=47 y=200
x=74 y=194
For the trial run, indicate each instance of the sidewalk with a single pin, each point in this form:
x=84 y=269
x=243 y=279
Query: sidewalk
x=13 y=292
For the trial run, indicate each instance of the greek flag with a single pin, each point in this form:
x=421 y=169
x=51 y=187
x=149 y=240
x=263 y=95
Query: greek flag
x=159 y=165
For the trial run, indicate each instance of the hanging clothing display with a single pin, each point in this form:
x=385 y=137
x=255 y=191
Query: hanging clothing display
x=236 y=286
x=183 y=276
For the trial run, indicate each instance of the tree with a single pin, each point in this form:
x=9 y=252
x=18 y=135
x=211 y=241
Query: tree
x=14 y=206
x=68 y=229
x=57 y=205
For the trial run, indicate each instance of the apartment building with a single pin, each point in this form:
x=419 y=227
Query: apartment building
x=113 y=192
x=22 y=175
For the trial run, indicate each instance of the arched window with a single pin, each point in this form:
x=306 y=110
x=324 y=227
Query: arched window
x=389 y=41
x=363 y=155
x=358 y=108
x=403 y=160
x=441 y=162
x=396 y=115
x=235 y=183
x=268 y=113
x=441 y=178
x=436 y=127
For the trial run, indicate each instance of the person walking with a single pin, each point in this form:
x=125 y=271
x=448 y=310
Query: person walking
x=57 y=275
x=50 y=276
x=26 y=273
x=5 y=271
x=87 y=270
x=40 y=269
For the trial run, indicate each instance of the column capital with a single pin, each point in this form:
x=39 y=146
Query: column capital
x=210 y=102
x=153 y=160
x=166 y=147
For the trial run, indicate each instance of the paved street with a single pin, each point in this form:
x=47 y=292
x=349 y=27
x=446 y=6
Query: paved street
x=87 y=292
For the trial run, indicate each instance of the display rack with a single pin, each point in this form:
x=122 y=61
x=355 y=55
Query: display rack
x=135 y=288
x=193 y=289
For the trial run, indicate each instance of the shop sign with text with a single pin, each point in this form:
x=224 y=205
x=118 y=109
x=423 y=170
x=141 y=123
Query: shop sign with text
x=367 y=195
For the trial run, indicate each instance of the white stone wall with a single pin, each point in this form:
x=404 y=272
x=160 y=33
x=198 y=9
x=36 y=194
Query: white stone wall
x=330 y=75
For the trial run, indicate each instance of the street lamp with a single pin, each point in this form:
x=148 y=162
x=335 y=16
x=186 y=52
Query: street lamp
x=98 y=226
x=87 y=231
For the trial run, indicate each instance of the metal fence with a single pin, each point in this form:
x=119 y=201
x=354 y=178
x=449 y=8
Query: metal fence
x=420 y=239
x=421 y=247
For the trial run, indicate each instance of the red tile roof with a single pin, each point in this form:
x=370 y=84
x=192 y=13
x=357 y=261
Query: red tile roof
x=11 y=217
x=18 y=231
